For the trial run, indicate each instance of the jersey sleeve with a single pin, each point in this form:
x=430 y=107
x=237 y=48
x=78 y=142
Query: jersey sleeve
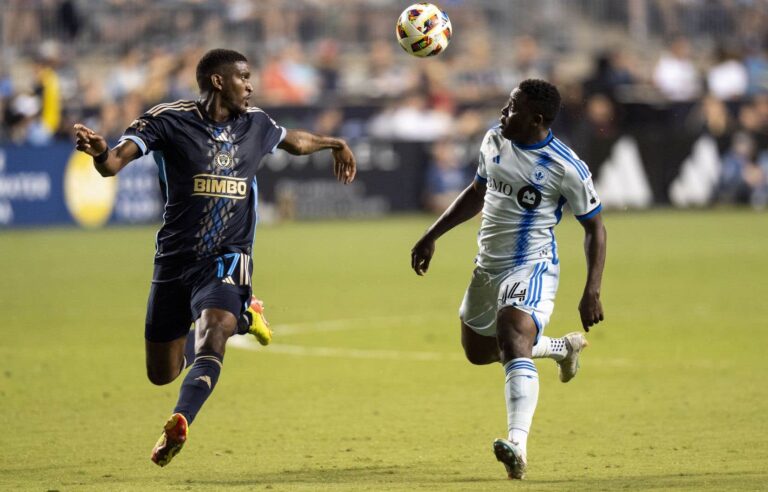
x=148 y=132
x=482 y=173
x=272 y=133
x=578 y=189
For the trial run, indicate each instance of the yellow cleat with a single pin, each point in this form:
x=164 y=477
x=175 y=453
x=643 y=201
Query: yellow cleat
x=259 y=324
x=170 y=443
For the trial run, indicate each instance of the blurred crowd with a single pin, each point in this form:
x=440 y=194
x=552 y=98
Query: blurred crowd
x=334 y=67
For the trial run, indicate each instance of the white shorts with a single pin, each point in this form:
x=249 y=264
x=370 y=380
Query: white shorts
x=530 y=288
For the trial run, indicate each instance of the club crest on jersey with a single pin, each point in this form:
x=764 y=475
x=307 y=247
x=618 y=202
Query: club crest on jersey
x=223 y=159
x=540 y=175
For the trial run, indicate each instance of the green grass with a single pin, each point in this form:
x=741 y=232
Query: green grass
x=366 y=388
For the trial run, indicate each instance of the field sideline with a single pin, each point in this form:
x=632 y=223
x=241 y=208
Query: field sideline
x=365 y=387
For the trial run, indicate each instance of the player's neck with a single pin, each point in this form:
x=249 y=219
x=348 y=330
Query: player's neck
x=535 y=137
x=214 y=110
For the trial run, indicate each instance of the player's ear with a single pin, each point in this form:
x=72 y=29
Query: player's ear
x=217 y=81
x=538 y=119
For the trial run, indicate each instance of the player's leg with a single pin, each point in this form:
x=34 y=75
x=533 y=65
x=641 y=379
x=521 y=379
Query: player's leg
x=165 y=360
x=217 y=303
x=166 y=329
x=253 y=322
x=516 y=332
x=564 y=350
x=479 y=349
x=478 y=319
x=212 y=329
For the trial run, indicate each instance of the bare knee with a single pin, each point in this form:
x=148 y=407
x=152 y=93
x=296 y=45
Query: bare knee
x=479 y=350
x=516 y=333
x=161 y=377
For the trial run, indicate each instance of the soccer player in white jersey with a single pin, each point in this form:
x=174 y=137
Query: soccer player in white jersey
x=524 y=178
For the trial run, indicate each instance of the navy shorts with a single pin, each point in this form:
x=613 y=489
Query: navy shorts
x=180 y=293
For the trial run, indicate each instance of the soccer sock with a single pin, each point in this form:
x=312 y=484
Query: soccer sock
x=553 y=348
x=198 y=384
x=244 y=323
x=522 y=394
x=189 y=349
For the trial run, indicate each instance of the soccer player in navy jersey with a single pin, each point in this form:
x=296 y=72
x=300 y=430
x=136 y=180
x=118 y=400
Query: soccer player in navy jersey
x=207 y=152
x=525 y=176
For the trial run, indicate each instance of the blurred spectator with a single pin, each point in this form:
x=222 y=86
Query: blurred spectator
x=529 y=62
x=727 y=79
x=743 y=180
x=412 y=120
x=129 y=75
x=675 y=74
x=711 y=116
x=288 y=78
x=446 y=176
x=47 y=88
x=69 y=19
x=611 y=72
x=328 y=67
x=756 y=63
x=384 y=74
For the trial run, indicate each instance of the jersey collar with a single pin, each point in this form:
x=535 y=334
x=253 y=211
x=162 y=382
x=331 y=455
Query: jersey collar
x=536 y=145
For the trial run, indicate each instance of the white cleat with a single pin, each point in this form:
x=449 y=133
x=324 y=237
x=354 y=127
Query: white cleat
x=510 y=454
x=569 y=366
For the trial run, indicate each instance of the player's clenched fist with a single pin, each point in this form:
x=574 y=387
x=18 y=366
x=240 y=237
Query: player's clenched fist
x=88 y=141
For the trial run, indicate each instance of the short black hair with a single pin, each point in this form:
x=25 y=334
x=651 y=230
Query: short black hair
x=212 y=63
x=543 y=97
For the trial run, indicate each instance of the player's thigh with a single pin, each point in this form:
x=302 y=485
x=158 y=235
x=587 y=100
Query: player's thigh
x=219 y=297
x=166 y=327
x=222 y=282
x=479 y=305
x=530 y=289
x=479 y=349
x=165 y=360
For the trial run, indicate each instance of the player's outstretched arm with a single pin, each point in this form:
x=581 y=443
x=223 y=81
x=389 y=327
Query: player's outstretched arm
x=107 y=162
x=468 y=204
x=300 y=142
x=595 y=237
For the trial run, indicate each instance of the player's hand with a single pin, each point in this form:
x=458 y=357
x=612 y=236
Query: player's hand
x=88 y=141
x=344 y=167
x=590 y=309
x=421 y=255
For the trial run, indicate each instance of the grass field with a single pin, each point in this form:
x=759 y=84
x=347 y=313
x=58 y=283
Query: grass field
x=365 y=387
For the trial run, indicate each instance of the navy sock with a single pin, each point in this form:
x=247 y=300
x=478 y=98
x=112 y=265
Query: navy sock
x=198 y=384
x=244 y=323
x=189 y=348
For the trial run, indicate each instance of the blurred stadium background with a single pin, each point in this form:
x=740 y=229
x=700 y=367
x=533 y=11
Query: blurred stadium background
x=667 y=100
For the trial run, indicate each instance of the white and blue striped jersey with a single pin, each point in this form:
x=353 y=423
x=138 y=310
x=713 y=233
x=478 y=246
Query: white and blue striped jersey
x=527 y=186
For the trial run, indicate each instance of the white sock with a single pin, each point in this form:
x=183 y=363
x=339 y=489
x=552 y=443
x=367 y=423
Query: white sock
x=553 y=348
x=522 y=394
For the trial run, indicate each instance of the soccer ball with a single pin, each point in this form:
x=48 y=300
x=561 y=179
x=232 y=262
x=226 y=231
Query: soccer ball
x=423 y=30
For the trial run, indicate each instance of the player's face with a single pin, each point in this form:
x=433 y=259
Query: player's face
x=237 y=88
x=517 y=119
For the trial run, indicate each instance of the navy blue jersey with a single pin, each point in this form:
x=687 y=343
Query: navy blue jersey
x=207 y=174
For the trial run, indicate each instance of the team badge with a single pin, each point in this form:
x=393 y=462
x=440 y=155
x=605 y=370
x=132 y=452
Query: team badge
x=540 y=175
x=223 y=159
x=138 y=125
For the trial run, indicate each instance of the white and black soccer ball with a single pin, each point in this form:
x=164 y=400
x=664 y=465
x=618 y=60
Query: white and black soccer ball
x=423 y=30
